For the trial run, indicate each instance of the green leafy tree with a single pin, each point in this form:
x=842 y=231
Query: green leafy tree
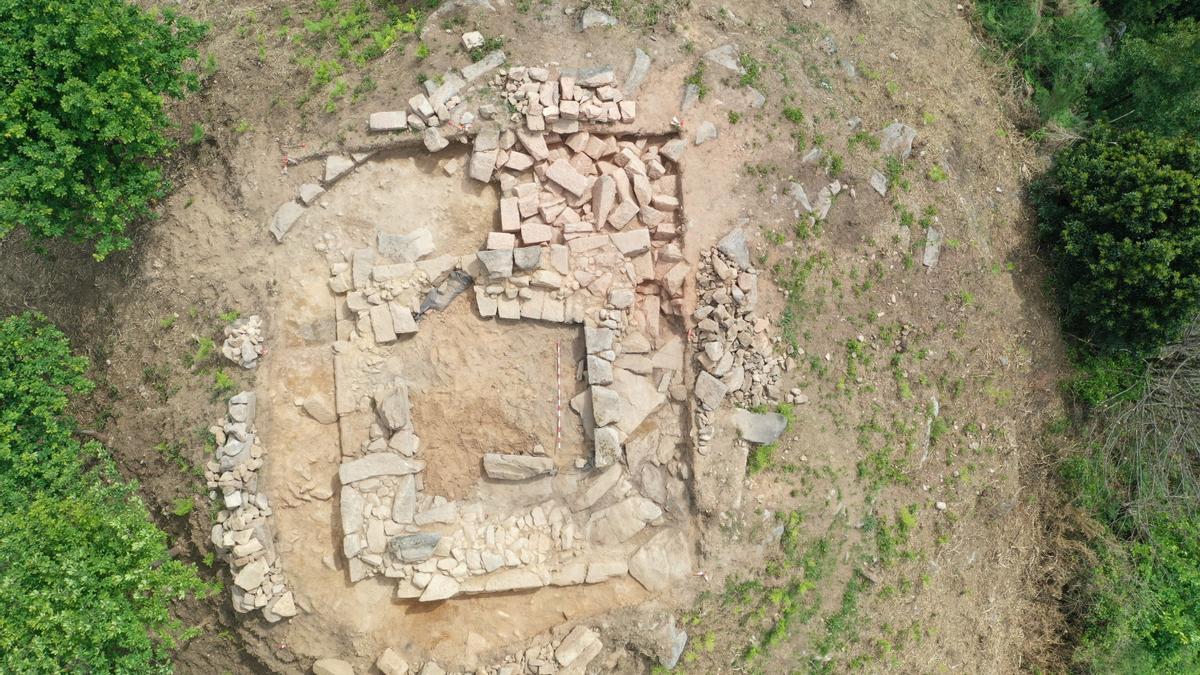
x=1152 y=83
x=1121 y=215
x=86 y=580
x=81 y=114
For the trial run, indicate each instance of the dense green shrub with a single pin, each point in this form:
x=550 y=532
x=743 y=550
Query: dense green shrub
x=1141 y=15
x=1152 y=82
x=1120 y=213
x=1129 y=63
x=81 y=114
x=37 y=451
x=1120 y=216
x=1059 y=52
x=85 y=577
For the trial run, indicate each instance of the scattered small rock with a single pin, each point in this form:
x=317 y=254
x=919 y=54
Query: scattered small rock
x=725 y=56
x=897 y=139
x=472 y=40
x=594 y=18
x=707 y=131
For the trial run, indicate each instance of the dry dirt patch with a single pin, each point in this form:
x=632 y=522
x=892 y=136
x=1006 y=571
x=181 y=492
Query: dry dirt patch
x=478 y=387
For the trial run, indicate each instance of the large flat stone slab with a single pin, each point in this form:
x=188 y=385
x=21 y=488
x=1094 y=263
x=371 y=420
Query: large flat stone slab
x=415 y=548
x=513 y=580
x=286 y=216
x=759 y=427
x=710 y=391
x=594 y=488
x=565 y=175
x=619 y=522
x=392 y=120
x=735 y=246
x=440 y=588
x=483 y=66
x=639 y=398
x=252 y=575
x=409 y=247
x=378 y=464
x=663 y=561
x=516 y=467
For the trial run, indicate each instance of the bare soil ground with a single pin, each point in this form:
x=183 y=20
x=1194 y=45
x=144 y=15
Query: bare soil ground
x=903 y=585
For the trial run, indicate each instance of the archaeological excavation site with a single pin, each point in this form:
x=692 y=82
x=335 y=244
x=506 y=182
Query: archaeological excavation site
x=598 y=337
x=524 y=373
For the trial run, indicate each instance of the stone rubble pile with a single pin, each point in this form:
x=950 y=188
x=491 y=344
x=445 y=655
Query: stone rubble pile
x=560 y=101
x=243 y=535
x=560 y=104
x=733 y=349
x=570 y=655
x=627 y=381
x=540 y=100
x=244 y=341
x=895 y=139
x=589 y=218
x=589 y=233
x=619 y=284
x=825 y=196
x=384 y=287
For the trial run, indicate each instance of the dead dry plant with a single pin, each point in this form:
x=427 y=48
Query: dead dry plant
x=1155 y=441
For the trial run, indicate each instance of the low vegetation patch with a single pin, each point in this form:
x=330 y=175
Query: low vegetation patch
x=1141 y=478
x=86 y=581
x=1119 y=213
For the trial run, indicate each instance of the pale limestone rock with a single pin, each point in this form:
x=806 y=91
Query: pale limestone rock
x=377 y=464
x=663 y=561
x=516 y=467
x=388 y=121
x=621 y=521
x=336 y=166
x=391 y=663
x=602 y=570
x=332 y=667
x=440 y=588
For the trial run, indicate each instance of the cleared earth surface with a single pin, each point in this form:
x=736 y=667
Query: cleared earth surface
x=913 y=533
